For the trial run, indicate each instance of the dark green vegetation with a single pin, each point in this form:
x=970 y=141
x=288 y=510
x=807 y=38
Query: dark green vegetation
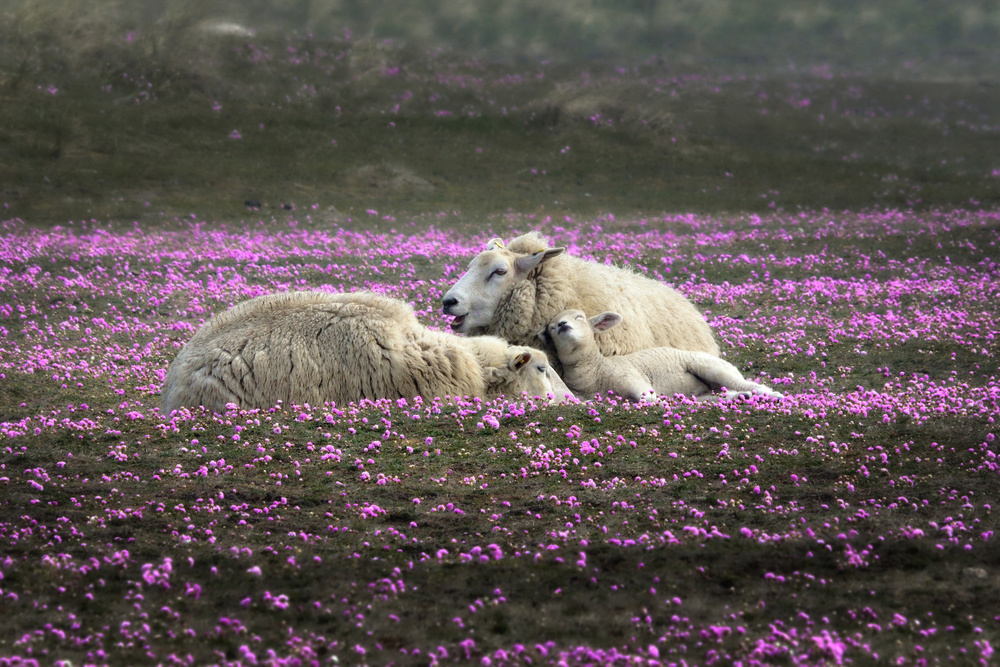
x=132 y=123
x=943 y=34
x=341 y=584
x=852 y=521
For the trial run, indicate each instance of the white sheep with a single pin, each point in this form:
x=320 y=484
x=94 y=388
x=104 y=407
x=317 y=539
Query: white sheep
x=315 y=347
x=642 y=375
x=513 y=291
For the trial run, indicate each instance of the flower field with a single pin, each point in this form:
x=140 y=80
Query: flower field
x=850 y=522
x=832 y=209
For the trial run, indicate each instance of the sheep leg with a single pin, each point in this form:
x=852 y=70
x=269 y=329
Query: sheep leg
x=640 y=390
x=718 y=373
x=648 y=396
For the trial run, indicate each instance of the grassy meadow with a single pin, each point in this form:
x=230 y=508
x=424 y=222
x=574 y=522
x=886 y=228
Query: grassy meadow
x=838 y=224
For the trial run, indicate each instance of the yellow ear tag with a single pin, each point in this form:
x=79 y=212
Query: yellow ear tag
x=495 y=244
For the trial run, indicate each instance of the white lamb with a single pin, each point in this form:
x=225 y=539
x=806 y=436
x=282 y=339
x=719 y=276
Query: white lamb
x=513 y=291
x=643 y=375
x=315 y=347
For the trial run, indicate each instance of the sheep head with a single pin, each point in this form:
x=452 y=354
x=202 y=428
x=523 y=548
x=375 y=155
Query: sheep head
x=527 y=370
x=491 y=275
x=570 y=330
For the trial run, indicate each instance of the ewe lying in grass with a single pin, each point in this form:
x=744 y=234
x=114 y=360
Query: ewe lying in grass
x=643 y=375
x=513 y=291
x=315 y=347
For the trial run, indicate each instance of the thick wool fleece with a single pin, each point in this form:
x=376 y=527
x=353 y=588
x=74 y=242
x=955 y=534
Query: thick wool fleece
x=641 y=375
x=655 y=315
x=315 y=347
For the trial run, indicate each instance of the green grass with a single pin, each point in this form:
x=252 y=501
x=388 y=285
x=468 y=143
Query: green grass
x=129 y=147
x=545 y=599
x=131 y=132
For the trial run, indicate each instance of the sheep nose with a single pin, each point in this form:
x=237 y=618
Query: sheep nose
x=449 y=302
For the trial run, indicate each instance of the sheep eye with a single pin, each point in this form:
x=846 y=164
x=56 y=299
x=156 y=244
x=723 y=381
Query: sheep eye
x=498 y=272
x=541 y=369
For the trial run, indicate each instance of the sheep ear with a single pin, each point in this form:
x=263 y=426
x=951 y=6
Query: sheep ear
x=495 y=244
x=520 y=361
x=543 y=335
x=528 y=262
x=605 y=321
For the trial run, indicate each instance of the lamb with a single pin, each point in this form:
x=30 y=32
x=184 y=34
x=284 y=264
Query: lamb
x=642 y=375
x=513 y=291
x=316 y=347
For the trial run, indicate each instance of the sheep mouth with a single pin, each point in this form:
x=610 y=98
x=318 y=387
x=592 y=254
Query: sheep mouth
x=457 y=323
x=562 y=328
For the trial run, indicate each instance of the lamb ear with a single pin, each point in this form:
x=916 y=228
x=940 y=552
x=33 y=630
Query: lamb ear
x=528 y=262
x=605 y=321
x=495 y=244
x=519 y=361
x=543 y=334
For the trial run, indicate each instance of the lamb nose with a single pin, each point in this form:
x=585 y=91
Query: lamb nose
x=449 y=302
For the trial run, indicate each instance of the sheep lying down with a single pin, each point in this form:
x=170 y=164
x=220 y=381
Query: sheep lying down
x=316 y=347
x=513 y=290
x=642 y=375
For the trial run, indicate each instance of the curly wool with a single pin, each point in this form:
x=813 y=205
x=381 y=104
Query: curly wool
x=316 y=347
x=640 y=375
x=654 y=314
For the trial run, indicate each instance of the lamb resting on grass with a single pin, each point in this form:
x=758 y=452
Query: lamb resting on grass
x=643 y=375
x=315 y=347
x=513 y=291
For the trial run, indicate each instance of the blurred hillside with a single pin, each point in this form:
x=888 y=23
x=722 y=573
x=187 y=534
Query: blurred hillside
x=131 y=110
x=753 y=31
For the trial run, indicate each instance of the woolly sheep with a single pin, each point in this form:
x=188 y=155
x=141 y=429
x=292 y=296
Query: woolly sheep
x=314 y=347
x=513 y=291
x=642 y=375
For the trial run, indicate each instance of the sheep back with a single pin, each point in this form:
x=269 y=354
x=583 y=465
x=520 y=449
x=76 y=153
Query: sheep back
x=654 y=314
x=313 y=347
x=669 y=370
